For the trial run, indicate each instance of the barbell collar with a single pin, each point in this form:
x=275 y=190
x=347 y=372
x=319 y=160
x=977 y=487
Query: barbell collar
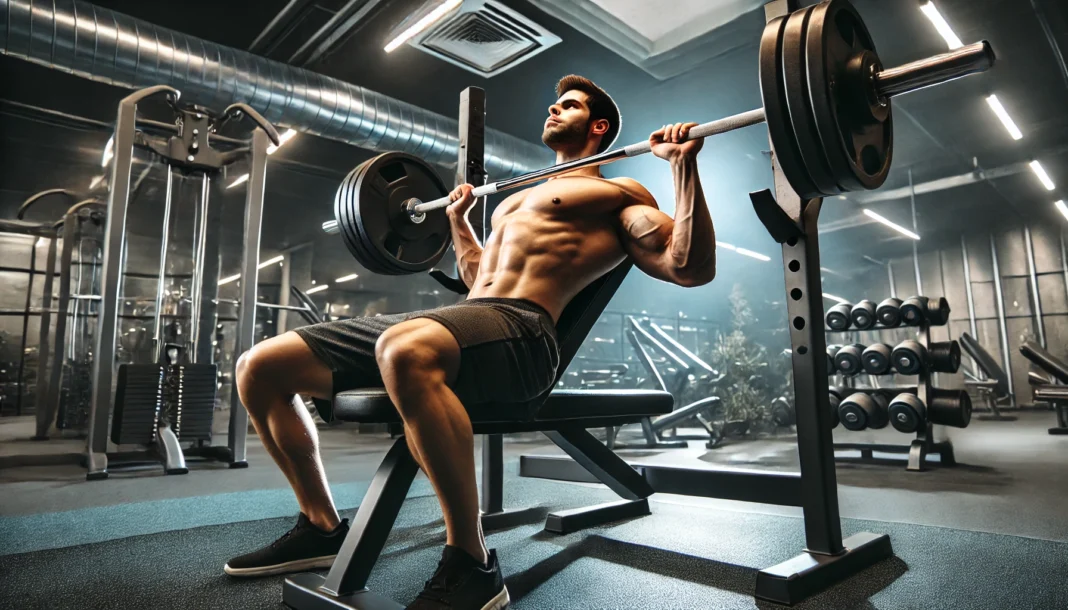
x=935 y=70
x=330 y=227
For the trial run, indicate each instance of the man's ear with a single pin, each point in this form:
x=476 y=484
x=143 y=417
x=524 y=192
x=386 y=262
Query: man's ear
x=599 y=127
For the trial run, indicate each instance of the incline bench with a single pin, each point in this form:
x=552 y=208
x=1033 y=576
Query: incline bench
x=992 y=390
x=563 y=415
x=1046 y=390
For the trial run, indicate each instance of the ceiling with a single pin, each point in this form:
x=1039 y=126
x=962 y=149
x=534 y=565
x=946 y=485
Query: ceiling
x=940 y=132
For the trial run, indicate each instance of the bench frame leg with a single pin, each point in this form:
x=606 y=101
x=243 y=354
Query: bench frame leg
x=494 y=515
x=345 y=586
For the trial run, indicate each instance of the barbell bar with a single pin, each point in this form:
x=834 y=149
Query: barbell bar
x=888 y=83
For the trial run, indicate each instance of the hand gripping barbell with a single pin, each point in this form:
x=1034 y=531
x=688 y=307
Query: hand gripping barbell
x=826 y=103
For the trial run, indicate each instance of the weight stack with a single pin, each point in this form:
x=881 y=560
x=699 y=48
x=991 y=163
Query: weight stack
x=189 y=396
x=138 y=396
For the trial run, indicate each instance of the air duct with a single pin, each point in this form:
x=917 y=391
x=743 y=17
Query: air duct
x=109 y=47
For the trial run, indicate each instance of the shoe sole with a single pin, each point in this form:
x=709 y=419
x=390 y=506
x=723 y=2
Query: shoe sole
x=283 y=568
x=500 y=602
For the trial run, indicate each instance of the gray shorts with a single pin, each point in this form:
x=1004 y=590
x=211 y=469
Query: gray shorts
x=508 y=348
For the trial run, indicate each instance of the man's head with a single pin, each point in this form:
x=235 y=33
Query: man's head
x=582 y=113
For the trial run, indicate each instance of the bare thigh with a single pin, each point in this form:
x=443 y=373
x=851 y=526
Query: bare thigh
x=286 y=363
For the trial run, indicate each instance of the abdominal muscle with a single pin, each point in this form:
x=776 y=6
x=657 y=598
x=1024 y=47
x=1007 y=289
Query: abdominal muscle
x=539 y=257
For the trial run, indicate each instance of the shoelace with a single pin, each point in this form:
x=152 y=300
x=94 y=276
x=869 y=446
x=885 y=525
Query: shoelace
x=437 y=587
x=285 y=536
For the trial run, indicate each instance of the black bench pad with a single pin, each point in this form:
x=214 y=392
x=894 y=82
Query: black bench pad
x=585 y=408
x=1049 y=363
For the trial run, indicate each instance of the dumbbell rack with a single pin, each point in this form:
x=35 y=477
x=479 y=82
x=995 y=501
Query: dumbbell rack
x=924 y=444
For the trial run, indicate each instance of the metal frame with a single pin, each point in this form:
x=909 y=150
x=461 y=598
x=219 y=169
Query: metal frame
x=1036 y=299
x=127 y=136
x=915 y=229
x=1002 y=328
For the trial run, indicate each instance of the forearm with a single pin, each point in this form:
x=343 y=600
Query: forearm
x=693 y=238
x=468 y=250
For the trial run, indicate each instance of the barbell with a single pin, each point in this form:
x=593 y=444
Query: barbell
x=826 y=104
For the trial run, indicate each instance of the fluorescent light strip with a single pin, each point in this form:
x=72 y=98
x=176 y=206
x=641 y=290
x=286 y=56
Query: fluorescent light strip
x=1042 y=175
x=274 y=260
x=232 y=278
x=286 y=136
x=422 y=24
x=319 y=288
x=1059 y=204
x=941 y=25
x=240 y=180
x=742 y=251
x=751 y=254
x=834 y=298
x=1006 y=120
x=347 y=278
x=894 y=226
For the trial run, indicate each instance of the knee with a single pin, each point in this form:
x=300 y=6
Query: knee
x=256 y=368
x=406 y=362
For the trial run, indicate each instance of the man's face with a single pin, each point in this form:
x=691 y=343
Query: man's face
x=568 y=123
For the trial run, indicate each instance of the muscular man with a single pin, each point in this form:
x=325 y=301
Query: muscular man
x=498 y=346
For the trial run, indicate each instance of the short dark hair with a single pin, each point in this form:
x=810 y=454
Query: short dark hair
x=602 y=106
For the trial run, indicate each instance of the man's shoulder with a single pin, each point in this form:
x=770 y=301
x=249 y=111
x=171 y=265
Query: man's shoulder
x=629 y=182
x=639 y=193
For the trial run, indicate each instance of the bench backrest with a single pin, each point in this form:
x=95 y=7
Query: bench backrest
x=986 y=362
x=1049 y=363
x=583 y=312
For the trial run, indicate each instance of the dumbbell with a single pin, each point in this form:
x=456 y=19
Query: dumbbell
x=949 y=408
x=834 y=396
x=916 y=310
x=782 y=412
x=938 y=312
x=848 y=359
x=863 y=315
x=913 y=310
x=876 y=359
x=908 y=357
x=861 y=411
x=832 y=350
x=907 y=413
x=889 y=312
x=838 y=317
x=944 y=357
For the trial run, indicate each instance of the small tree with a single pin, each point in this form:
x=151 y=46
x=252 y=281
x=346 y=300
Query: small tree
x=744 y=389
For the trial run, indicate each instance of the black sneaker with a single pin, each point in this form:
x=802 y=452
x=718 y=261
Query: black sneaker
x=462 y=583
x=305 y=547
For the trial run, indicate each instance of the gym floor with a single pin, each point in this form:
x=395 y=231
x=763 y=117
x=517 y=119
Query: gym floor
x=147 y=540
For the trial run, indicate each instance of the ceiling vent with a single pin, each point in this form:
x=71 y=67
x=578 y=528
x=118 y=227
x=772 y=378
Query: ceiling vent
x=485 y=37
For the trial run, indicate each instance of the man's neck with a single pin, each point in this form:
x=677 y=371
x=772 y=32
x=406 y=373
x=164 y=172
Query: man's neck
x=593 y=171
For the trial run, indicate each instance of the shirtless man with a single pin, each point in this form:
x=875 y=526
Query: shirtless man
x=498 y=346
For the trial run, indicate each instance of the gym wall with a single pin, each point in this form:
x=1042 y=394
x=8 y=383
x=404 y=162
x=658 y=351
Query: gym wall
x=942 y=274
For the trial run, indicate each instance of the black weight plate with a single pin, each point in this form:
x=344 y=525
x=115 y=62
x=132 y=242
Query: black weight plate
x=795 y=85
x=405 y=249
x=349 y=234
x=345 y=206
x=378 y=263
x=382 y=189
x=776 y=112
x=859 y=151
